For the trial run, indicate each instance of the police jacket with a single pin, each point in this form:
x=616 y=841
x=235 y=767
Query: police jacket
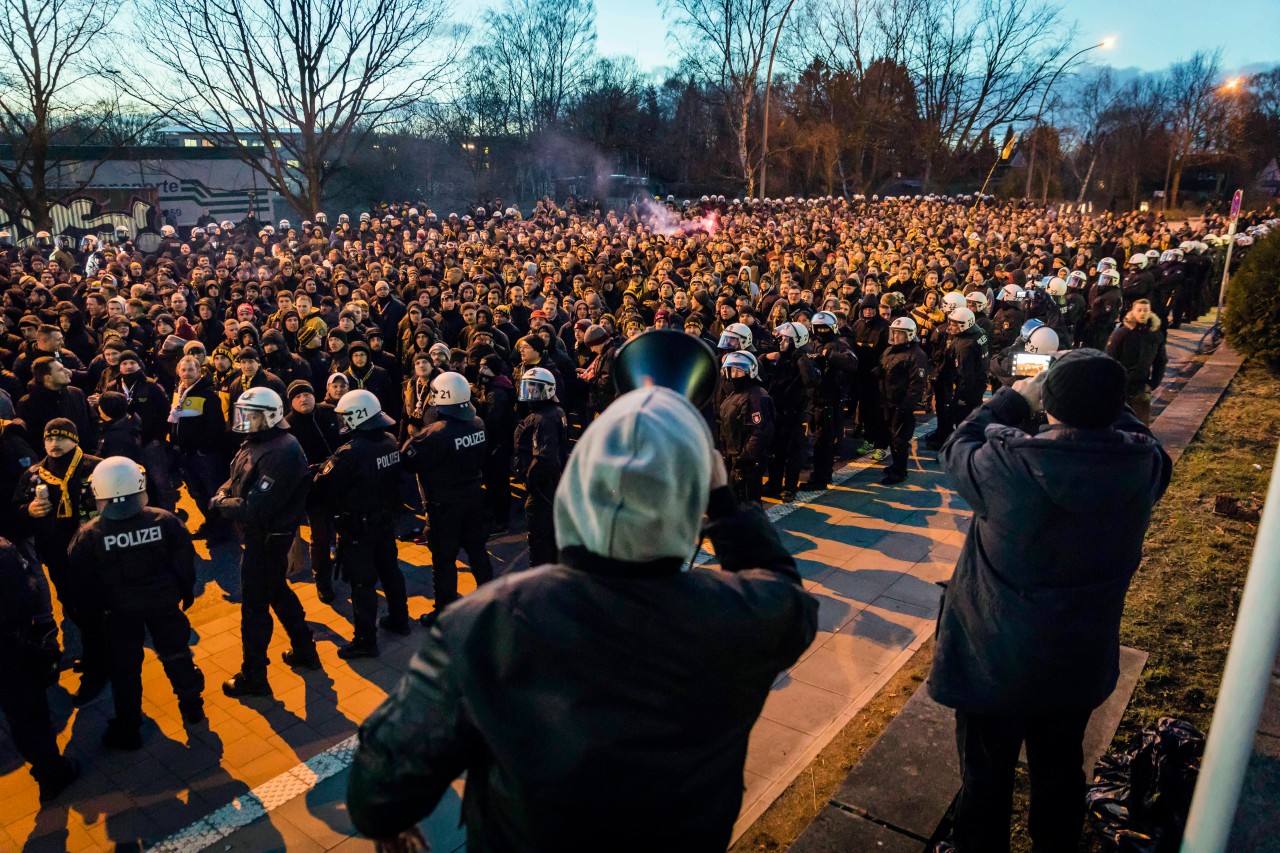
x=965 y=365
x=746 y=421
x=1137 y=285
x=1104 y=311
x=267 y=490
x=1006 y=325
x=448 y=455
x=791 y=383
x=144 y=562
x=838 y=366
x=20 y=597
x=1030 y=622
x=904 y=370
x=362 y=477
x=542 y=447
x=660 y=674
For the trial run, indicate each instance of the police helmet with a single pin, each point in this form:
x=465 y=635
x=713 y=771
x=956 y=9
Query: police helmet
x=1029 y=327
x=1043 y=340
x=1139 y=261
x=975 y=302
x=1108 y=277
x=122 y=484
x=962 y=317
x=1057 y=287
x=537 y=384
x=1107 y=264
x=361 y=409
x=952 y=300
x=736 y=336
x=795 y=333
x=450 y=389
x=742 y=360
x=1077 y=279
x=826 y=320
x=905 y=325
x=257 y=401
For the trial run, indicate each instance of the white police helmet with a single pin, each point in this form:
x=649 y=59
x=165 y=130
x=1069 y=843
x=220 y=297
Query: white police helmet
x=361 y=409
x=735 y=336
x=825 y=319
x=963 y=317
x=797 y=334
x=1106 y=264
x=120 y=482
x=951 y=301
x=450 y=389
x=906 y=325
x=1043 y=340
x=975 y=302
x=1139 y=261
x=1057 y=286
x=257 y=410
x=537 y=384
x=742 y=360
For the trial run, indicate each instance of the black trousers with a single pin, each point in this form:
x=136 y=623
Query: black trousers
x=989 y=748
x=457 y=526
x=369 y=558
x=497 y=486
x=263 y=590
x=902 y=424
x=746 y=478
x=170 y=635
x=25 y=705
x=539 y=517
x=870 y=411
x=85 y=615
x=827 y=426
x=788 y=455
x=321 y=523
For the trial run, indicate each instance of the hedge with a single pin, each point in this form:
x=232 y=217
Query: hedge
x=1252 y=315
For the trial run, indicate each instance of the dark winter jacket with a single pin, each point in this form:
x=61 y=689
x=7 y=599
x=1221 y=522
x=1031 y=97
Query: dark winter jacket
x=1030 y=622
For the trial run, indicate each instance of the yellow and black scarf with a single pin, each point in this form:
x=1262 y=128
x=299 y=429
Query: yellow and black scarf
x=65 y=508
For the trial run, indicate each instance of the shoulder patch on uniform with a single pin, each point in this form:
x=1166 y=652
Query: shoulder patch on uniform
x=755 y=417
x=26 y=462
x=265 y=484
x=327 y=466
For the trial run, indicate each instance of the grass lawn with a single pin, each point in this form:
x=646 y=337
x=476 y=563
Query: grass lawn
x=1181 y=606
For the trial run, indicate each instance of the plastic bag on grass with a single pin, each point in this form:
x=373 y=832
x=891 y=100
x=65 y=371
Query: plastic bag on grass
x=1139 y=799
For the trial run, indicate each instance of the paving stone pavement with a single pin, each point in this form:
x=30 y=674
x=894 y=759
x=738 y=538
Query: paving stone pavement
x=872 y=555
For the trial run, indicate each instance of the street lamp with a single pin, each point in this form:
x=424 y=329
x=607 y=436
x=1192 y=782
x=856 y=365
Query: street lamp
x=1107 y=43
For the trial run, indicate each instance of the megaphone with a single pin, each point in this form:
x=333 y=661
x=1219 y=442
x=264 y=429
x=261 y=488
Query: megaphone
x=668 y=358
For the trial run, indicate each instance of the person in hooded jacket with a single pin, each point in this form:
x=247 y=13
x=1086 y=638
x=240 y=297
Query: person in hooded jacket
x=119 y=431
x=197 y=432
x=317 y=428
x=618 y=637
x=279 y=360
x=368 y=376
x=1028 y=637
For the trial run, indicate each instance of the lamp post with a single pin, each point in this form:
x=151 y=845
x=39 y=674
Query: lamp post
x=1031 y=156
x=768 y=81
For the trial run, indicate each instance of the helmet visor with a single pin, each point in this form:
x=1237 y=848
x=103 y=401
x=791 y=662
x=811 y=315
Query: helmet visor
x=246 y=420
x=728 y=340
x=533 y=391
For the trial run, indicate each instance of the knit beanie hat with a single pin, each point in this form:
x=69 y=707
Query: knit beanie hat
x=62 y=428
x=113 y=405
x=1084 y=388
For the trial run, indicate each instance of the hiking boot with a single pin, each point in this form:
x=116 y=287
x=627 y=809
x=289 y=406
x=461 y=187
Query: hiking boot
x=356 y=650
x=52 y=788
x=324 y=591
x=301 y=660
x=91 y=687
x=404 y=628
x=244 y=685
x=192 y=710
x=124 y=736
x=813 y=486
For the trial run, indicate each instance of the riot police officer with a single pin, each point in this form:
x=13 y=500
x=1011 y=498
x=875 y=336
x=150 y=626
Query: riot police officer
x=142 y=567
x=542 y=449
x=449 y=455
x=746 y=424
x=266 y=497
x=964 y=373
x=837 y=365
x=361 y=484
x=792 y=380
x=903 y=373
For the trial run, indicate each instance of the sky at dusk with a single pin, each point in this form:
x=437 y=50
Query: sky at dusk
x=1149 y=35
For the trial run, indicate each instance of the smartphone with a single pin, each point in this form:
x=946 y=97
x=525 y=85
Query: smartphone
x=1030 y=363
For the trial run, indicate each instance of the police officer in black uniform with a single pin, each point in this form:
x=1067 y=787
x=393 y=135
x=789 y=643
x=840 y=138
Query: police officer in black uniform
x=792 y=378
x=746 y=424
x=903 y=372
x=542 y=449
x=360 y=484
x=449 y=456
x=28 y=666
x=266 y=496
x=964 y=371
x=142 y=565
x=838 y=365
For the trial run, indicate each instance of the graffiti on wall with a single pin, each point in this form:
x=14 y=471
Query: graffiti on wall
x=98 y=212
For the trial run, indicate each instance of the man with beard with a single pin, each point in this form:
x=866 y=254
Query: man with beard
x=50 y=395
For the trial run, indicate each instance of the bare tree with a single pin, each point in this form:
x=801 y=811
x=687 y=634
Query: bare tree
x=43 y=75
x=305 y=79
x=533 y=58
x=727 y=43
x=1197 y=116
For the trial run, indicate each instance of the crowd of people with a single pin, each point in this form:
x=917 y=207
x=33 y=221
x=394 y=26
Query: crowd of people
x=336 y=374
